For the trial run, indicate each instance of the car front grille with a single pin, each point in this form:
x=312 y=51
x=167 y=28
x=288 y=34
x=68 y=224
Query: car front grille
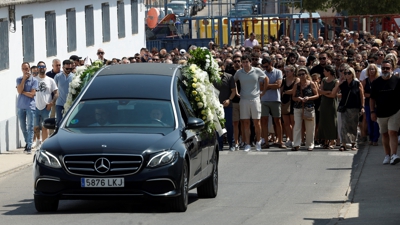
x=103 y=164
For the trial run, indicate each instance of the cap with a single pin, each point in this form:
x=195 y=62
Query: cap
x=182 y=51
x=75 y=57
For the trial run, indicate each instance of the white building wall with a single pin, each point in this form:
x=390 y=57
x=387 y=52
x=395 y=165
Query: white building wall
x=10 y=136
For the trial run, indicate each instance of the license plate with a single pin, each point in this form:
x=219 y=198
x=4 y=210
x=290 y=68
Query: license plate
x=102 y=182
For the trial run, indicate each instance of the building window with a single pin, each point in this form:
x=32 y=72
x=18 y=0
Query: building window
x=106 y=21
x=4 y=49
x=121 y=19
x=89 y=21
x=134 y=13
x=51 y=34
x=28 y=46
x=71 y=30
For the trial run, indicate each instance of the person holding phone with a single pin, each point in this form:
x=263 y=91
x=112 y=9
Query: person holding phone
x=26 y=88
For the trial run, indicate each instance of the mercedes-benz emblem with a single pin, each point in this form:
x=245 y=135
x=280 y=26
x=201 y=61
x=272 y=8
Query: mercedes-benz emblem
x=102 y=165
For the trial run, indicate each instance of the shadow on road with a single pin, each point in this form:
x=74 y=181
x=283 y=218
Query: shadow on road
x=27 y=206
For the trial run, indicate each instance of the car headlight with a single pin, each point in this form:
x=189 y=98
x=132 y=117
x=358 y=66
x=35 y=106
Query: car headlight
x=181 y=14
x=163 y=158
x=47 y=159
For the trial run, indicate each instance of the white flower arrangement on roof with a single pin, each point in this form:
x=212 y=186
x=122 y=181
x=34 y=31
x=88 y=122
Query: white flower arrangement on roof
x=82 y=76
x=200 y=73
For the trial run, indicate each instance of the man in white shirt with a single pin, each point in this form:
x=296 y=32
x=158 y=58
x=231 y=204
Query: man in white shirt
x=251 y=41
x=371 y=59
x=44 y=101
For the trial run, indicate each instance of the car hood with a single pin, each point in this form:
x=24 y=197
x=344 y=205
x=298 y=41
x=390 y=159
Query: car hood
x=66 y=142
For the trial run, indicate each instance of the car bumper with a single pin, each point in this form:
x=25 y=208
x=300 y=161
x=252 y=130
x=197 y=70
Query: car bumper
x=148 y=182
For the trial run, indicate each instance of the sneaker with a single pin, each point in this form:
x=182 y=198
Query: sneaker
x=258 y=145
x=26 y=147
x=38 y=144
x=262 y=141
x=394 y=160
x=247 y=148
x=236 y=147
x=232 y=148
x=386 y=160
x=28 y=150
x=289 y=144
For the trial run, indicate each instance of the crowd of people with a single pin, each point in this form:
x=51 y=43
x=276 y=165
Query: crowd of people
x=289 y=93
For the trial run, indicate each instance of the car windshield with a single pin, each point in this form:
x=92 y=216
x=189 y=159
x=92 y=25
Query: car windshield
x=238 y=13
x=122 y=113
x=177 y=7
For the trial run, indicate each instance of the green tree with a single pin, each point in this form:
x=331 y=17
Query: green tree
x=367 y=7
x=313 y=5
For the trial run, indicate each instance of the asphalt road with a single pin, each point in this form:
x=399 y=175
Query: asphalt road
x=273 y=187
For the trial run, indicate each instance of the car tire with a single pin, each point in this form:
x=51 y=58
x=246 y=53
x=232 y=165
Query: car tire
x=180 y=203
x=209 y=189
x=46 y=204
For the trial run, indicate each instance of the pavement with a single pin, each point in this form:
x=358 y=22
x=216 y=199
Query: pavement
x=372 y=197
x=14 y=160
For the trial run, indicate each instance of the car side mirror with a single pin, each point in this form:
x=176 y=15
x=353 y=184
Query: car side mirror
x=195 y=123
x=50 y=123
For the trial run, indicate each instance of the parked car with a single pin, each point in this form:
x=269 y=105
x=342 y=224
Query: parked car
x=138 y=139
x=190 y=4
x=180 y=9
x=235 y=17
x=248 y=5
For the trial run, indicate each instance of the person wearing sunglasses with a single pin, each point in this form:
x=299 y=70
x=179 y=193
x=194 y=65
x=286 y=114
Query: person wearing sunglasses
x=237 y=65
x=385 y=109
x=100 y=56
x=371 y=60
x=353 y=103
x=62 y=80
x=46 y=97
x=271 y=103
x=304 y=94
x=323 y=57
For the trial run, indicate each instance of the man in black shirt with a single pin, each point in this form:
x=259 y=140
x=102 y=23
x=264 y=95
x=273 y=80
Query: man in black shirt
x=227 y=91
x=323 y=58
x=56 y=65
x=385 y=109
x=56 y=68
x=235 y=101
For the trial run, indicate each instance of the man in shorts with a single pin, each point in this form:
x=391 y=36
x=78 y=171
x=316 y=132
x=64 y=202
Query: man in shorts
x=271 y=102
x=250 y=106
x=385 y=109
x=46 y=97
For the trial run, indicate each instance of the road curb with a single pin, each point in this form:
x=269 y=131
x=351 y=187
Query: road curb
x=352 y=187
x=5 y=173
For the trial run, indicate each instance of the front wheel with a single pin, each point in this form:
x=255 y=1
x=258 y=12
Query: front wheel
x=45 y=204
x=209 y=189
x=180 y=203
